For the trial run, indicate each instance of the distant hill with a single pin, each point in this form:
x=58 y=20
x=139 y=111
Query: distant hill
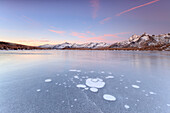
x=13 y=46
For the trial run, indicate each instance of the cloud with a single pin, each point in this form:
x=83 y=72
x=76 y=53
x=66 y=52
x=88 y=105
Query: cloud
x=137 y=7
x=106 y=19
x=89 y=36
x=59 y=32
x=89 y=32
x=31 y=21
x=95 y=4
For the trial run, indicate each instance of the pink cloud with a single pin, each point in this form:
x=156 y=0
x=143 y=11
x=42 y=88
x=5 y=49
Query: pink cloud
x=88 y=32
x=137 y=7
x=95 y=4
x=77 y=34
x=59 y=32
x=106 y=19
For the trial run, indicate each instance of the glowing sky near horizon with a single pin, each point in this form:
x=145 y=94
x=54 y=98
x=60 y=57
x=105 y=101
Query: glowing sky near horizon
x=36 y=22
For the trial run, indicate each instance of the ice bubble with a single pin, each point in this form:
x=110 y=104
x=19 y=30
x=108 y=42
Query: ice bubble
x=71 y=105
x=74 y=70
x=86 y=88
x=109 y=73
x=109 y=77
x=109 y=97
x=94 y=89
x=81 y=86
x=135 y=86
x=152 y=93
x=75 y=99
x=38 y=90
x=95 y=82
x=138 y=81
x=102 y=72
x=126 y=106
x=143 y=90
x=48 y=80
x=76 y=77
x=168 y=105
x=126 y=87
x=122 y=75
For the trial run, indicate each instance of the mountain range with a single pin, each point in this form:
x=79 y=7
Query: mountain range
x=135 y=42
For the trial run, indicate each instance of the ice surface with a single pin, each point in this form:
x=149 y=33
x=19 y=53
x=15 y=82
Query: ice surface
x=48 y=80
x=135 y=86
x=109 y=77
x=126 y=106
x=109 y=97
x=95 y=82
x=94 y=89
x=81 y=86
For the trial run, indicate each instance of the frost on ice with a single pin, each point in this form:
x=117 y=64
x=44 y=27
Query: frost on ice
x=81 y=86
x=135 y=86
x=126 y=106
x=48 y=80
x=109 y=97
x=95 y=83
x=94 y=89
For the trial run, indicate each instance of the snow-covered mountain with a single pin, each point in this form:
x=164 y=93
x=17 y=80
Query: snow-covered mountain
x=147 y=41
x=142 y=42
x=65 y=45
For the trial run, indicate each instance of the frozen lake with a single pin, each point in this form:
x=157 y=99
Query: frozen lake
x=57 y=81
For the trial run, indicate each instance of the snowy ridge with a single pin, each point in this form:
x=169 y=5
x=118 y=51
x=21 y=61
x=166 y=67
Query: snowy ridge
x=144 y=42
x=161 y=41
x=74 y=45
